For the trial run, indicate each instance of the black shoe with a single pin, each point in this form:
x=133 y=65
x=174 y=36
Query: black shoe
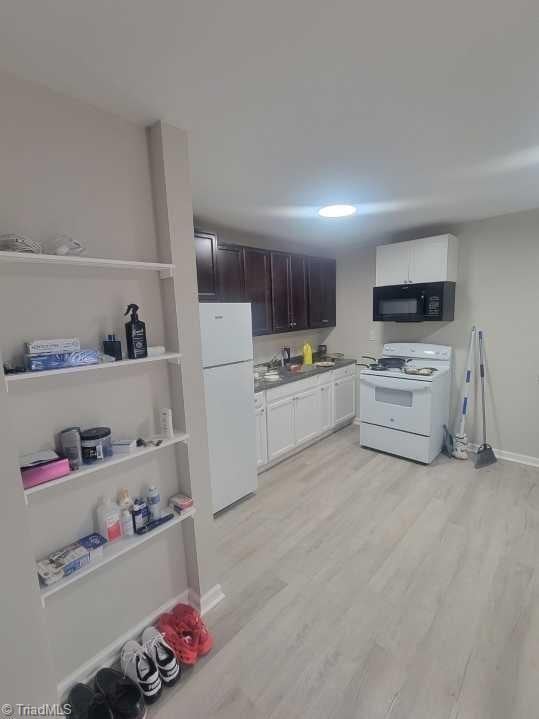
x=123 y=695
x=86 y=704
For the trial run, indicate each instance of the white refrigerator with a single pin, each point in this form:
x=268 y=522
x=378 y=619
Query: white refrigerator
x=227 y=361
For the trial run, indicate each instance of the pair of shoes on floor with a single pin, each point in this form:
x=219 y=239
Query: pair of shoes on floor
x=186 y=633
x=116 y=697
x=151 y=665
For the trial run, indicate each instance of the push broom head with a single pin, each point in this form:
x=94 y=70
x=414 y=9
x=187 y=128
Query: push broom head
x=484 y=456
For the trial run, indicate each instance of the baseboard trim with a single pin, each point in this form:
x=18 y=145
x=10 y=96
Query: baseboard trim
x=111 y=653
x=207 y=601
x=297 y=450
x=512 y=456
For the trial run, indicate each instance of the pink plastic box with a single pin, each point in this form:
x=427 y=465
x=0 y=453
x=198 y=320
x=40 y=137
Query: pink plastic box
x=45 y=473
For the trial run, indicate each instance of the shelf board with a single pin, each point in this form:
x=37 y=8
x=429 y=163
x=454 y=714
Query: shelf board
x=165 y=270
x=112 y=552
x=105 y=464
x=22 y=376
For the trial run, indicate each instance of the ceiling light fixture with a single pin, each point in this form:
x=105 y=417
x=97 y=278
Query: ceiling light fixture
x=337 y=211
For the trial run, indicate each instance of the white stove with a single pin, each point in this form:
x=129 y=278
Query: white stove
x=403 y=409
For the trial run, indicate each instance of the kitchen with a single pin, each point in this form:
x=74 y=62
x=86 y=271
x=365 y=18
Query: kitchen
x=324 y=481
x=300 y=397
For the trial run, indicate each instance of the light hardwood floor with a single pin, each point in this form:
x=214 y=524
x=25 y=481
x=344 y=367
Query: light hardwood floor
x=360 y=585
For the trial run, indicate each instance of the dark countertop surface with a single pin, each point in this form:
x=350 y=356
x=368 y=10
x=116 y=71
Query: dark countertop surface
x=286 y=376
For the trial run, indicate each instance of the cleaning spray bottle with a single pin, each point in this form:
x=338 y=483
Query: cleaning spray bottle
x=307 y=354
x=135 y=332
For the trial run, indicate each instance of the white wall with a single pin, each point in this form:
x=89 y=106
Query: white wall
x=70 y=168
x=498 y=290
x=267 y=346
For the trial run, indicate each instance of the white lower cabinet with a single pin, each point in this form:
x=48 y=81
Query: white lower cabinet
x=299 y=413
x=326 y=406
x=307 y=415
x=345 y=405
x=280 y=427
x=261 y=438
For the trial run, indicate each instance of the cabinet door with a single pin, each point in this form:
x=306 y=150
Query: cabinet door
x=326 y=408
x=428 y=259
x=257 y=278
x=280 y=291
x=261 y=438
x=298 y=292
x=205 y=246
x=280 y=427
x=393 y=264
x=344 y=399
x=229 y=263
x=307 y=415
x=322 y=292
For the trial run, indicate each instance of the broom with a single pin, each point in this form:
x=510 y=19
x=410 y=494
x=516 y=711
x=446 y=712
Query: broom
x=485 y=454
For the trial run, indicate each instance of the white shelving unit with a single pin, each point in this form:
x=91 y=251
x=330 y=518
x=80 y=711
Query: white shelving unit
x=165 y=270
x=113 y=551
x=11 y=379
x=55 y=296
x=116 y=549
x=104 y=465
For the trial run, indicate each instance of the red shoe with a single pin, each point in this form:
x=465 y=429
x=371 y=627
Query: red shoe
x=190 y=617
x=180 y=637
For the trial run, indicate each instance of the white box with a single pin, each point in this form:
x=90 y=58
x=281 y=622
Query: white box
x=50 y=347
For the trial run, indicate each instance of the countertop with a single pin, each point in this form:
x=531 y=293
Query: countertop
x=286 y=376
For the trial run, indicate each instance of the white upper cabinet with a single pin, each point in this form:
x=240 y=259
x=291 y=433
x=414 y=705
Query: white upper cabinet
x=430 y=259
x=393 y=264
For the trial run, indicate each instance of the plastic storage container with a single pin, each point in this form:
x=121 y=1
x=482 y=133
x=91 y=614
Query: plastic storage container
x=96 y=444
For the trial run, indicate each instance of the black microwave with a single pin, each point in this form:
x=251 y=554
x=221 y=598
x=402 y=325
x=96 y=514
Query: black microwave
x=422 y=302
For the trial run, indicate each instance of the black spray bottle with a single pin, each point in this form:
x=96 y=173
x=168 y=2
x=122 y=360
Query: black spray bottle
x=135 y=331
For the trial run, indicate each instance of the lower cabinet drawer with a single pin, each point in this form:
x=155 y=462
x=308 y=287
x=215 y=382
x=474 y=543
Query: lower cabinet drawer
x=348 y=371
x=292 y=388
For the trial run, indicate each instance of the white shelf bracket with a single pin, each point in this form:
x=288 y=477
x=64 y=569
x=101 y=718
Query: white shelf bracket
x=175 y=360
x=165 y=274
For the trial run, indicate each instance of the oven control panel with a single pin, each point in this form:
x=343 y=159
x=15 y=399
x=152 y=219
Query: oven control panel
x=417 y=349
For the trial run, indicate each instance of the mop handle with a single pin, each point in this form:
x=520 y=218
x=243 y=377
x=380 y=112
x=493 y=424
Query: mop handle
x=482 y=374
x=467 y=381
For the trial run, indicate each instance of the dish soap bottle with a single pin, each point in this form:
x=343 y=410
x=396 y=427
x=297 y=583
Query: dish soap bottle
x=307 y=354
x=135 y=332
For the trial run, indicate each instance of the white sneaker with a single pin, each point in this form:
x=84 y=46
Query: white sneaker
x=141 y=668
x=162 y=654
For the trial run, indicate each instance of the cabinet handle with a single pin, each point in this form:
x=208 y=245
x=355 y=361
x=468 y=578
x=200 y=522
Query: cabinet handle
x=325 y=321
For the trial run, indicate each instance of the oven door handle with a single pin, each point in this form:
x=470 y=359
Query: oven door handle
x=402 y=385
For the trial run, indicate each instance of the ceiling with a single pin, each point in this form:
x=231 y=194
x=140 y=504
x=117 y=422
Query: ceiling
x=420 y=112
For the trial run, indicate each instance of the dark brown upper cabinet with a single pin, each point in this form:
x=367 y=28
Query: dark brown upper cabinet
x=289 y=292
x=298 y=295
x=205 y=248
x=230 y=275
x=257 y=281
x=322 y=278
